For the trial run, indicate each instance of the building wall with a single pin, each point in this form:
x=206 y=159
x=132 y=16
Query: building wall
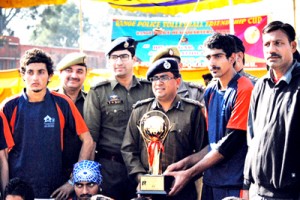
x=95 y=59
x=11 y=50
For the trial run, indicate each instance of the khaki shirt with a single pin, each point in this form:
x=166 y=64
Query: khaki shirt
x=107 y=109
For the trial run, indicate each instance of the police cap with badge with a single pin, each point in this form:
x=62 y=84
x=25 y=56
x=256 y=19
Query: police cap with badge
x=122 y=43
x=164 y=65
x=71 y=59
x=168 y=52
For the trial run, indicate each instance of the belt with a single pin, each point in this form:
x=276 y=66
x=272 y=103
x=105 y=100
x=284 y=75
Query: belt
x=116 y=157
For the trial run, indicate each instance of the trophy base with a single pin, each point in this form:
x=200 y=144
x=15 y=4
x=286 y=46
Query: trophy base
x=155 y=184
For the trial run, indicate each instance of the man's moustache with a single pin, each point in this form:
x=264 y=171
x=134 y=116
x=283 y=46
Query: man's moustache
x=86 y=195
x=274 y=55
x=73 y=79
x=215 y=68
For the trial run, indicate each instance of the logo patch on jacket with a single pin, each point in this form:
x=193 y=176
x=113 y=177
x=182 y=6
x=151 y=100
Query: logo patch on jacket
x=49 y=122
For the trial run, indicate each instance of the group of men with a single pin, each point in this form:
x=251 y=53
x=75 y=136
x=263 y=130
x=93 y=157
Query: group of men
x=239 y=137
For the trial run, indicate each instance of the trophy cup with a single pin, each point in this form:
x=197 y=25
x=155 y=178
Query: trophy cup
x=154 y=127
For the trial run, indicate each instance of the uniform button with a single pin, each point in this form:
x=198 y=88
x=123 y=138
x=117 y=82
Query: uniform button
x=179 y=131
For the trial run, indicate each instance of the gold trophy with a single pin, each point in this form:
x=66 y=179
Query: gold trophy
x=154 y=127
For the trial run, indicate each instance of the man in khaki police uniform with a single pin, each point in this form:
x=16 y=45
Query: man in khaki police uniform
x=186 y=89
x=72 y=72
x=107 y=109
x=185 y=136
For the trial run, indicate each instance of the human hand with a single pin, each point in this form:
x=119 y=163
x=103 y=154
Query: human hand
x=63 y=192
x=181 y=179
x=175 y=167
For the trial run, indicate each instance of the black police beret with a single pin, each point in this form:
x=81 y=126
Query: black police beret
x=238 y=43
x=122 y=43
x=163 y=65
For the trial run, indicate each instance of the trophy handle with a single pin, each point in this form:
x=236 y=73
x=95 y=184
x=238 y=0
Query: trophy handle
x=163 y=139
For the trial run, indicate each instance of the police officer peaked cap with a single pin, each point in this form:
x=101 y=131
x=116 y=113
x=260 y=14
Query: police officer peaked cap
x=163 y=65
x=122 y=43
x=167 y=52
x=238 y=43
x=71 y=59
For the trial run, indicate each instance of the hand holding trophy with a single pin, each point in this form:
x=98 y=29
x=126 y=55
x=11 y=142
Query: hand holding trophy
x=154 y=127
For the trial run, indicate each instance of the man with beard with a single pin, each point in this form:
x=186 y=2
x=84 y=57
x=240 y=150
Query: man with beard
x=38 y=120
x=72 y=72
x=87 y=179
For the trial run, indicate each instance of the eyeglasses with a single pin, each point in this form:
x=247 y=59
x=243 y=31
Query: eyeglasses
x=163 y=78
x=123 y=57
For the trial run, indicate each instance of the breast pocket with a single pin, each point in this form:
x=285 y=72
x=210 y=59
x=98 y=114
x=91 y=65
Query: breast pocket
x=178 y=135
x=116 y=114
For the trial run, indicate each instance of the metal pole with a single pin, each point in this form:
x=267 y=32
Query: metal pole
x=231 y=19
x=188 y=24
x=295 y=15
x=80 y=27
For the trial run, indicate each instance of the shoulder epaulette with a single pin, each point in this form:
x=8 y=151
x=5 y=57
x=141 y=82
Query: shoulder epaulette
x=142 y=102
x=101 y=83
x=192 y=101
x=195 y=85
x=143 y=80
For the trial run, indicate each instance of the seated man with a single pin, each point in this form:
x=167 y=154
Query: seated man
x=87 y=179
x=17 y=189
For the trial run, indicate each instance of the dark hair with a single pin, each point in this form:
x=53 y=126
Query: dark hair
x=278 y=25
x=18 y=187
x=36 y=56
x=296 y=56
x=219 y=41
x=207 y=76
x=239 y=45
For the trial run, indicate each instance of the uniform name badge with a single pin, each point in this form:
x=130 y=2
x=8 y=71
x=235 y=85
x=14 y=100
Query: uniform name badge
x=154 y=127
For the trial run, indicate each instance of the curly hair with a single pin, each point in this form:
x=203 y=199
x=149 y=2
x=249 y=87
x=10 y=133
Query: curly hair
x=36 y=56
